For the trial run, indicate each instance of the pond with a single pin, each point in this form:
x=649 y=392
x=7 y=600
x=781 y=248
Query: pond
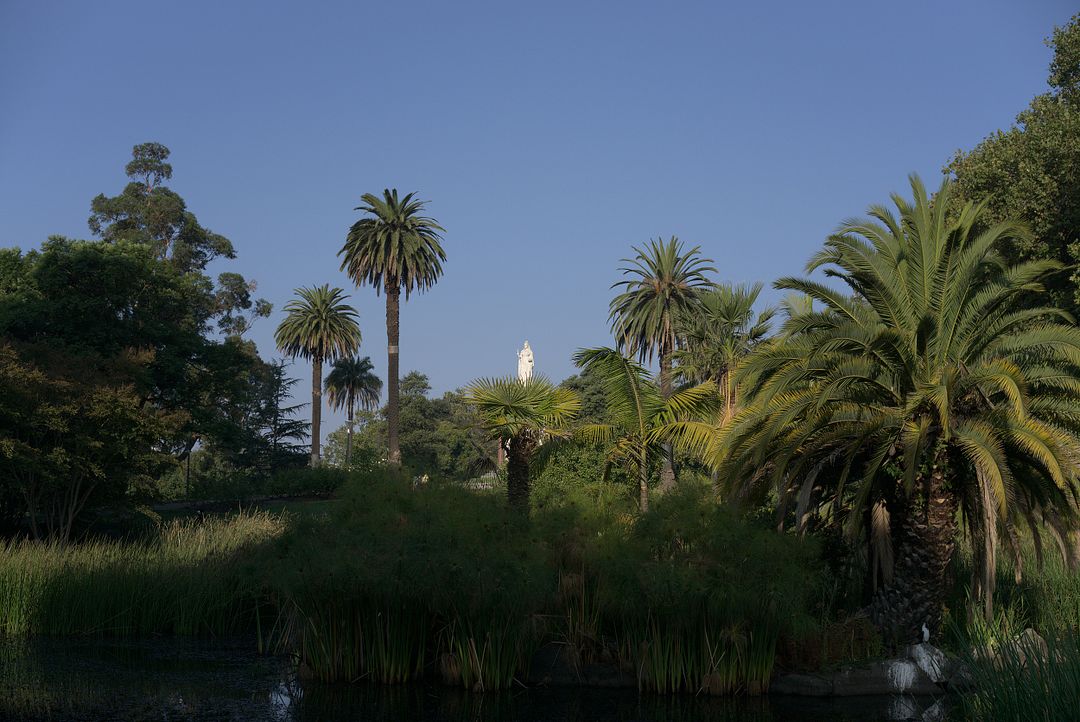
x=179 y=680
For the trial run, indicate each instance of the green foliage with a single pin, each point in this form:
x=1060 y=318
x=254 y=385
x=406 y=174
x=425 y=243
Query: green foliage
x=149 y=213
x=691 y=594
x=663 y=284
x=642 y=420
x=1019 y=679
x=524 y=414
x=927 y=368
x=319 y=326
x=396 y=247
x=187 y=580
x=1028 y=172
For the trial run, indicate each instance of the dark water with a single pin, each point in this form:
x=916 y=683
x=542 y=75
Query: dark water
x=170 y=680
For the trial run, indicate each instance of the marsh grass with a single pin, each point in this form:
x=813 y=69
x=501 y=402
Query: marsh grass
x=394 y=583
x=1017 y=678
x=690 y=598
x=186 y=580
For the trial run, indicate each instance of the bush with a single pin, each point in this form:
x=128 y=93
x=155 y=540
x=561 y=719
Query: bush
x=691 y=595
x=305 y=481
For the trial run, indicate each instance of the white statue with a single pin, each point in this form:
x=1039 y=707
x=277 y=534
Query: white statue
x=525 y=363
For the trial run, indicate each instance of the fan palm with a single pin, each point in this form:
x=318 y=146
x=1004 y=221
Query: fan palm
x=319 y=326
x=663 y=282
x=642 y=421
x=719 y=334
x=349 y=384
x=930 y=385
x=523 y=414
x=395 y=249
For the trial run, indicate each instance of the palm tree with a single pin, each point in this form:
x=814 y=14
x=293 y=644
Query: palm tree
x=719 y=333
x=395 y=249
x=663 y=283
x=930 y=384
x=319 y=326
x=642 y=421
x=351 y=383
x=523 y=415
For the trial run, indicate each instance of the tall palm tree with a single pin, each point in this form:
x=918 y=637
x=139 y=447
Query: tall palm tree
x=719 y=333
x=394 y=249
x=523 y=415
x=351 y=383
x=928 y=385
x=319 y=326
x=663 y=282
x=642 y=421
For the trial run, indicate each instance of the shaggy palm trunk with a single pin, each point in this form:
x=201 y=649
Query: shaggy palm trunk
x=667 y=473
x=518 y=454
x=316 y=407
x=393 y=305
x=924 y=538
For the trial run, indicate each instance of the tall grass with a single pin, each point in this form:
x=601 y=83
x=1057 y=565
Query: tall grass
x=395 y=583
x=1017 y=678
x=186 y=580
x=688 y=598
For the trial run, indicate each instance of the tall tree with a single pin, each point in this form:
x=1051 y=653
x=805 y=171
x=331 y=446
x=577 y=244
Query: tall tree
x=924 y=386
x=524 y=415
x=719 y=333
x=641 y=422
x=319 y=326
x=1031 y=173
x=663 y=283
x=395 y=249
x=351 y=383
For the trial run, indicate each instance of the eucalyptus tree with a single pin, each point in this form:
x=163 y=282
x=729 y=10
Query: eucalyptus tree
x=524 y=415
x=718 y=334
x=662 y=283
x=641 y=421
x=319 y=326
x=351 y=383
x=395 y=249
x=925 y=385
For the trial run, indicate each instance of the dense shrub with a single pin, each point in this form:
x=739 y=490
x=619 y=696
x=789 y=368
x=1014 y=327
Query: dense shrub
x=690 y=596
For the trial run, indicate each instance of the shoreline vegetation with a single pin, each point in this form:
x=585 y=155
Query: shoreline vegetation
x=879 y=477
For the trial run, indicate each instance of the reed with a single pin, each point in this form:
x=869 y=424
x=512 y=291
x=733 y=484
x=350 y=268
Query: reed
x=187 y=580
x=1018 y=679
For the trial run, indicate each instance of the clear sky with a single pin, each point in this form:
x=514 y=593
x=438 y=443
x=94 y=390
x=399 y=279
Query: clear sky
x=549 y=137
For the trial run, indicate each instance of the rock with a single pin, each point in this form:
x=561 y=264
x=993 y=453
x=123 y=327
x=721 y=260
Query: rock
x=804 y=685
x=931 y=660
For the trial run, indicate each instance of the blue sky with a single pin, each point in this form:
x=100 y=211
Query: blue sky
x=549 y=137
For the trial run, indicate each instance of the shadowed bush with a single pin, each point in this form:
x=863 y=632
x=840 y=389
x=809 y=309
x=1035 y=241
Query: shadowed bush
x=689 y=597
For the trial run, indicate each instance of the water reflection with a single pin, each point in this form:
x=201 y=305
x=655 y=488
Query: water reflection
x=171 y=680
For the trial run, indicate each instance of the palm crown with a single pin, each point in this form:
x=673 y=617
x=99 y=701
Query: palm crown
x=523 y=415
x=352 y=383
x=396 y=247
x=931 y=384
x=319 y=325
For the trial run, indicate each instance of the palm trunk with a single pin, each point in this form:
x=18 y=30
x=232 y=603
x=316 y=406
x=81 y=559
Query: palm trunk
x=517 y=471
x=348 y=440
x=667 y=473
x=924 y=536
x=393 y=303
x=643 y=482
x=316 y=408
